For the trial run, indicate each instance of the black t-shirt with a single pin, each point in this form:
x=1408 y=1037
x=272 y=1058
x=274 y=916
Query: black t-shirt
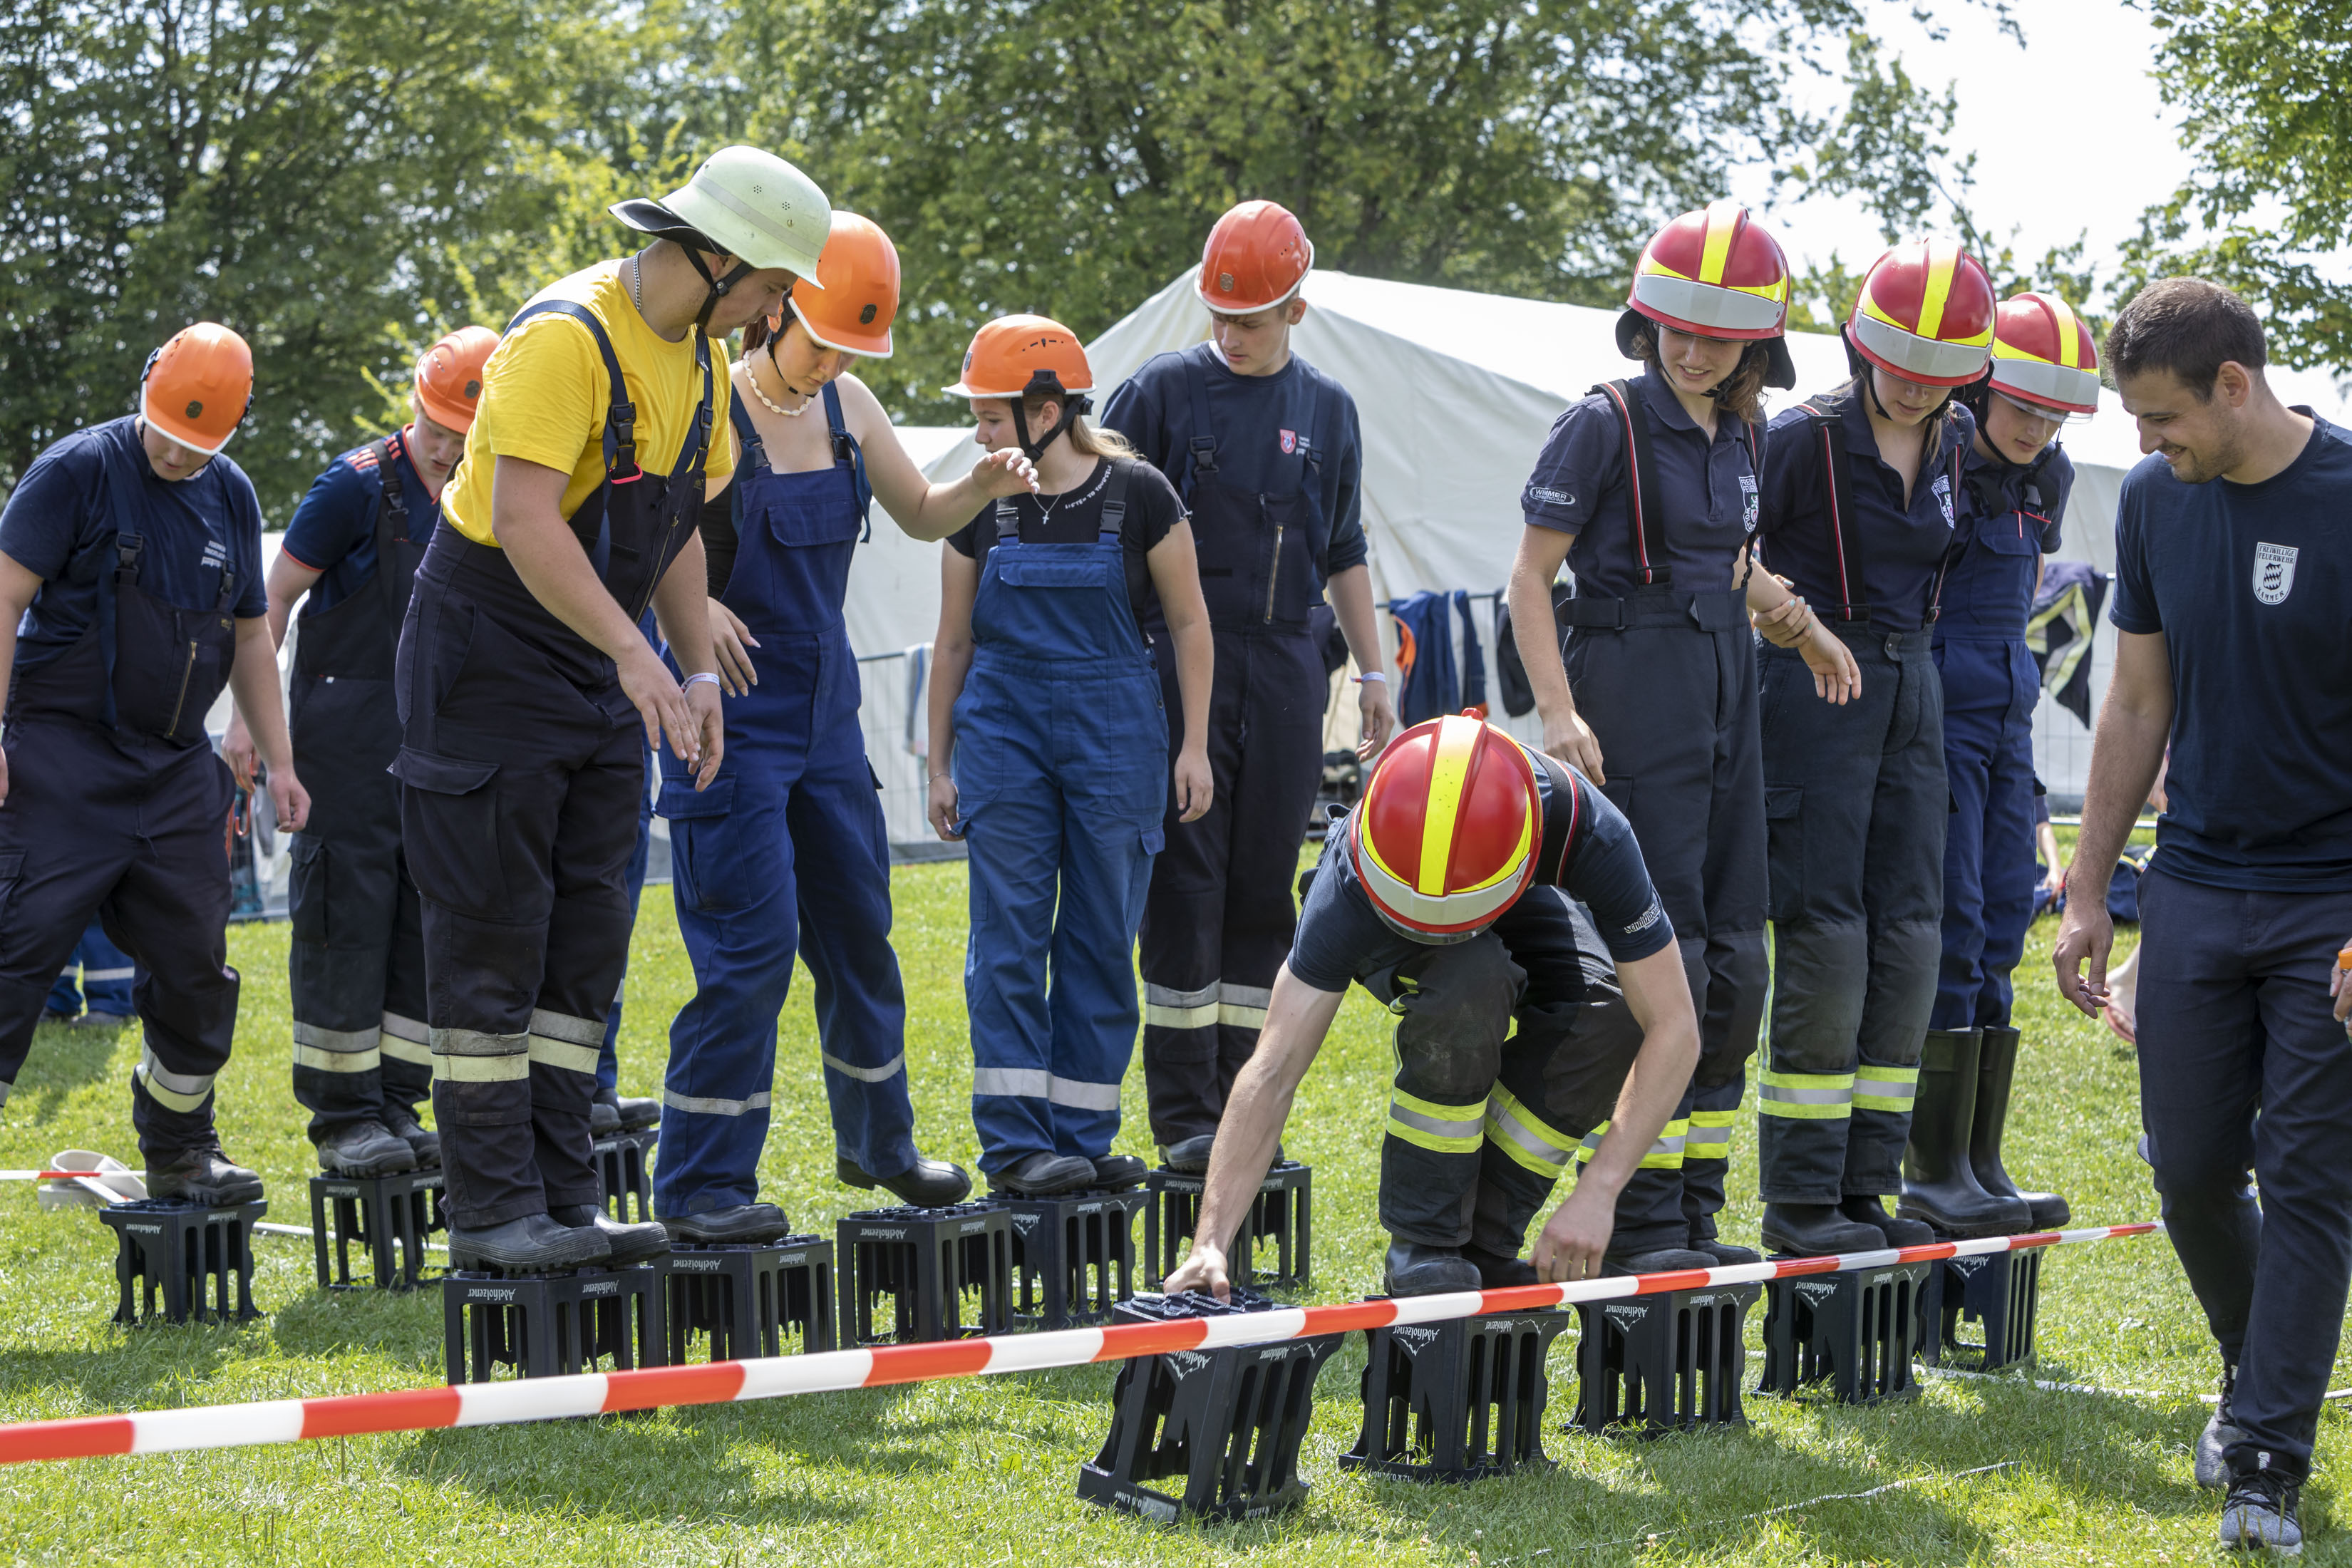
x=1075 y=517
x=2252 y=587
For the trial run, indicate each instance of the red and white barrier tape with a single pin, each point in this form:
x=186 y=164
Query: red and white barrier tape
x=721 y=1383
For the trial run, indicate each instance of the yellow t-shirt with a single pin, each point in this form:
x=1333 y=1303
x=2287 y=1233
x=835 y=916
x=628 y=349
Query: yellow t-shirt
x=545 y=393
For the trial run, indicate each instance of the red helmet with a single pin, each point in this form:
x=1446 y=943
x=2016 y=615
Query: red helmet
x=1925 y=314
x=1715 y=273
x=1256 y=257
x=449 y=376
x=2043 y=354
x=1445 y=838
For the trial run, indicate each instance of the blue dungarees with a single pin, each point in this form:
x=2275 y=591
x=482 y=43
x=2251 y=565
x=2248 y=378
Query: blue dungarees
x=1061 y=772
x=786 y=850
x=2011 y=515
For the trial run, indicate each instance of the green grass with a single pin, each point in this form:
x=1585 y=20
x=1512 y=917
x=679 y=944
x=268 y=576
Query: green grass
x=982 y=1472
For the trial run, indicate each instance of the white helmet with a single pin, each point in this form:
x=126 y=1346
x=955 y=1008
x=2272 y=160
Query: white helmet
x=743 y=202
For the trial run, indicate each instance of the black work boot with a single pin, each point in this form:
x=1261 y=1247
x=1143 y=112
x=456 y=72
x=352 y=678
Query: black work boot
x=1043 y=1175
x=202 y=1175
x=630 y=1243
x=612 y=1112
x=736 y=1225
x=1497 y=1272
x=925 y=1184
x=1116 y=1170
x=529 y=1244
x=401 y=1121
x=1938 y=1187
x=1723 y=1253
x=1418 y=1268
x=1996 y=1068
x=1898 y=1231
x=1815 y=1230
x=1658 y=1260
x=365 y=1149
x=1188 y=1156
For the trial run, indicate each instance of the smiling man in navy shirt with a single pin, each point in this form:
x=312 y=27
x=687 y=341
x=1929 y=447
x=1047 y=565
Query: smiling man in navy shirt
x=2232 y=598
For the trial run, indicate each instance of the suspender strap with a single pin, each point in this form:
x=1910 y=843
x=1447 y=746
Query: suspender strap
x=1114 y=503
x=1944 y=567
x=1642 y=493
x=1828 y=418
x=1204 y=440
x=846 y=450
x=128 y=548
x=621 y=415
x=390 y=527
x=1008 y=521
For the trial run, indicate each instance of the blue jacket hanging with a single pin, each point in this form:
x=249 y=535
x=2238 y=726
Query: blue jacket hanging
x=1434 y=688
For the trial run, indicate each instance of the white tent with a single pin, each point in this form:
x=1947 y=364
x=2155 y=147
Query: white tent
x=1456 y=391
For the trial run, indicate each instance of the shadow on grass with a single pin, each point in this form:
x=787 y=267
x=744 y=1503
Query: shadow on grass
x=63 y=1059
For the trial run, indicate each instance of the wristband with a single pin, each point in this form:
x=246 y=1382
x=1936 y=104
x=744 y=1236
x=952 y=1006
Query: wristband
x=697 y=679
x=1378 y=675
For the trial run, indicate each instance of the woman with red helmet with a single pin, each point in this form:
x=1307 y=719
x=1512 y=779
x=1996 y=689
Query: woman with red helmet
x=786 y=855
x=2045 y=369
x=1497 y=903
x=1647 y=489
x=1861 y=497
x=1051 y=753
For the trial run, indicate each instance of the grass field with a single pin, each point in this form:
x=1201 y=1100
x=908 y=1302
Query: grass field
x=983 y=1471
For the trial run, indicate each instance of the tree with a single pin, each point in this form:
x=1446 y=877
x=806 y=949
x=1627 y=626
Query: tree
x=2271 y=124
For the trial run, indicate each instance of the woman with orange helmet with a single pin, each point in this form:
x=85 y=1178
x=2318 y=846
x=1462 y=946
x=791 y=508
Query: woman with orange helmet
x=1463 y=891
x=2045 y=370
x=129 y=570
x=1647 y=491
x=786 y=854
x=361 y=1059
x=1051 y=753
x=1862 y=491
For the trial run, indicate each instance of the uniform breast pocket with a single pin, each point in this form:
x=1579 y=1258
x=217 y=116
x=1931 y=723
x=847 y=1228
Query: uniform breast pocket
x=802 y=527
x=1076 y=570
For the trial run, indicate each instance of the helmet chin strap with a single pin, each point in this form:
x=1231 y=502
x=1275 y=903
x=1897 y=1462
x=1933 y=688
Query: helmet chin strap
x=1075 y=405
x=717 y=287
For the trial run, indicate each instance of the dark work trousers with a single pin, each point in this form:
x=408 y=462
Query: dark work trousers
x=1219 y=917
x=519 y=808
x=133 y=831
x=1856 y=803
x=355 y=967
x=608 y=1058
x=1990 y=685
x=2244 y=1068
x=1667 y=681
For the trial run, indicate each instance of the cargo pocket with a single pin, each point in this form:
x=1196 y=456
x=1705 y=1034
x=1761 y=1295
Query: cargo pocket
x=449 y=831
x=306 y=888
x=711 y=865
x=1784 y=849
x=1155 y=839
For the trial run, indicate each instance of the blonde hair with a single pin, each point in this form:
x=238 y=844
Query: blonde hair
x=1086 y=438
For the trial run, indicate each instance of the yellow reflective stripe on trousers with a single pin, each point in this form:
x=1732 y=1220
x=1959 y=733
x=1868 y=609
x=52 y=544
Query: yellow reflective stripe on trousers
x=482 y=1070
x=322 y=1049
x=183 y=1093
x=1168 y=1008
x=1525 y=1137
x=1710 y=1135
x=1665 y=1155
x=1805 y=1095
x=1442 y=1129
x=408 y=1040
x=1885 y=1089
x=563 y=1054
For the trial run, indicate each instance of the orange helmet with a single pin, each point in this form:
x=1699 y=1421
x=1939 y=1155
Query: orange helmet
x=2043 y=354
x=854 y=298
x=197 y=388
x=449 y=376
x=1023 y=356
x=1925 y=314
x=1715 y=273
x=1256 y=258
x=1445 y=838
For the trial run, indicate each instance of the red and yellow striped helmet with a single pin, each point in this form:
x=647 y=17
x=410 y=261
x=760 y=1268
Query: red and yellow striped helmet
x=1445 y=838
x=1714 y=273
x=1925 y=314
x=2043 y=354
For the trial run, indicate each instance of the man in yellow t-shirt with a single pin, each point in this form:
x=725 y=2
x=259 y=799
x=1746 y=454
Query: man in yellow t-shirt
x=524 y=684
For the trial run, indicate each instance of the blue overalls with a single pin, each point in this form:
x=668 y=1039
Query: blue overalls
x=1061 y=772
x=788 y=841
x=1991 y=686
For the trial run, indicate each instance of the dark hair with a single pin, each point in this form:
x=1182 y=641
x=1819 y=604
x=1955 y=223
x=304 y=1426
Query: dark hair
x=1740 y=395
x=2189 y=327
x=1086 y=438
x=1858 y=385
x=756 y=334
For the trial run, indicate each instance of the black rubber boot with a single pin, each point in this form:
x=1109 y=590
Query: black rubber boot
x=1937 y=1184
x=737 y=1226
x=630 y=1243
x=1116 y=1170
x=1417 y=1269
x=1898 y=1231
x=1723 y=1254
x=365 y=1149
x=1497 y=1272
x=203 y=1175
x=425 y=1143
x=1662 y=1260
x=1815 y=1230
x=1996 y=1069
x=1044 y=1176
x=925 y=1184
x=612 y=1112
x=527 y=1246
x=1188 y=1156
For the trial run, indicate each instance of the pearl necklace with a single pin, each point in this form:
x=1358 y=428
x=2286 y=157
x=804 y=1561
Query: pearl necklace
x=751 y=379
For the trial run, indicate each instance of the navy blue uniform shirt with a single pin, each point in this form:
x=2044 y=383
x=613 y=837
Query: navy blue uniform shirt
x=1991 y=487
x=59 y=525
x=1706 y=505
x=1902 y=547
x=333 y=531
x=1265 y=427
x=2252 y=587
x=1588 y=850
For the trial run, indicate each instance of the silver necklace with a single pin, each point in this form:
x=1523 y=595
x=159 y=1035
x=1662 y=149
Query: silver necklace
x=751 y=379
x=1045 y=508
x=637 y=281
